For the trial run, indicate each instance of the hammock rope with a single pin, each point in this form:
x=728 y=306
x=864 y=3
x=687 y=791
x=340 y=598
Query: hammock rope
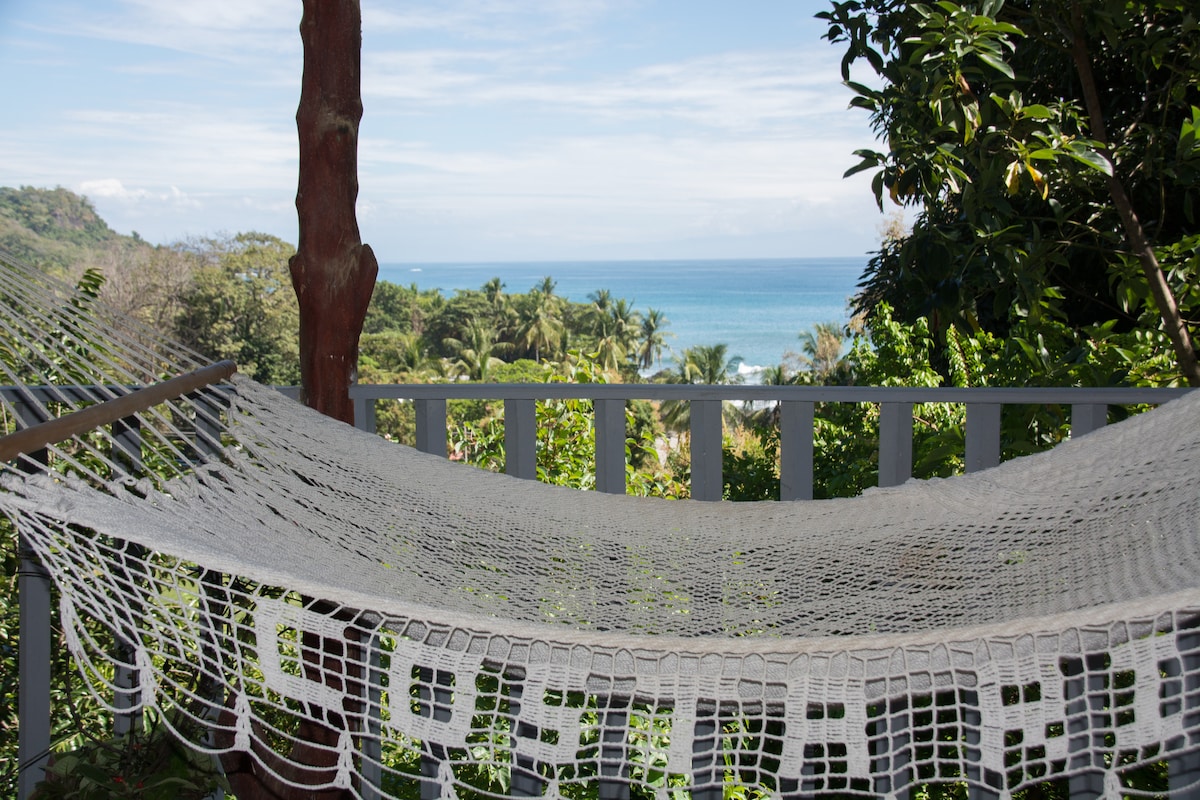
x=487 y=636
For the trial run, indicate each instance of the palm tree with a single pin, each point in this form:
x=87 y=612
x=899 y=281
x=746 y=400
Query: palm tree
x=710 y=364
x=493 y=290
x=601 y=304
x=616 y=326
x=539 y=327
x=503 y=317
x=706 y=364
x=822 y=350
x=477 y=351
x=625 y=322
x=768 y=415
x=653 y=338
x=546 y=286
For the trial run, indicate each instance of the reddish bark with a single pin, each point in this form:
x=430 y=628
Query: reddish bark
x=333 y=272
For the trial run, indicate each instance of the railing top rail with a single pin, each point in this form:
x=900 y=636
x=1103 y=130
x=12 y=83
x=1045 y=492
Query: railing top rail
x=819 y=394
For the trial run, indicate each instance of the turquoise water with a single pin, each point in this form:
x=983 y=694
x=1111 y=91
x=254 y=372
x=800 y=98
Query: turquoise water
x=757 y=307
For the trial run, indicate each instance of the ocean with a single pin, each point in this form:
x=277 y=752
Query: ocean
x=756 y=307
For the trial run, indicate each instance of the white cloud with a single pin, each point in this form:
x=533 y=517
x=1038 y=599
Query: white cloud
x=215 y=28
x=488 y=123
x=114 y=189
x=494 y=20
x=737 y=91
x=191 y=146
x=105 y=187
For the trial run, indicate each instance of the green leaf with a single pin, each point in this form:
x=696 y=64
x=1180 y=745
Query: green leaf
x=1091 y=158
x=996 y=63
x=1036 y=111
x=862 y=89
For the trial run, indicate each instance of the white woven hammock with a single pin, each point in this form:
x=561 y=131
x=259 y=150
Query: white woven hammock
x=492 y=637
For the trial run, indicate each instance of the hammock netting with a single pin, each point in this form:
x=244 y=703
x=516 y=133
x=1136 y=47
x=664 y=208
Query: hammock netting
x=271 y=571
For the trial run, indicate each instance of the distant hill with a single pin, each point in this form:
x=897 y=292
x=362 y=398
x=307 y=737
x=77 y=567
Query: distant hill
x=55 y=229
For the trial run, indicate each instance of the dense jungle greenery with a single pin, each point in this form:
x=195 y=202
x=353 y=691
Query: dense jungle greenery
x=1050 y=156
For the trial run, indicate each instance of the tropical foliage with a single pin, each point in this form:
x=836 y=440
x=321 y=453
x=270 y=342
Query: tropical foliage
x=1050 y=152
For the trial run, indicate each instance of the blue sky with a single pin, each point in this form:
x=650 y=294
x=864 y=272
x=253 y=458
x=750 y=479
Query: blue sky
x=493 y=130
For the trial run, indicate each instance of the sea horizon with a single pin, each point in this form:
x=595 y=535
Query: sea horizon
x=757 y=307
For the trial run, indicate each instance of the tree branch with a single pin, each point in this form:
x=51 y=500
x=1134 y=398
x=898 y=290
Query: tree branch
x=1173 y=323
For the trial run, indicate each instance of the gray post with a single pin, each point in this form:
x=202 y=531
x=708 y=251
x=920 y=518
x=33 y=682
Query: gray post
x=983 y=436
x=1183 y=768
x=525 y=781
x=364 y=413
x=796 y=450
x=431 y=426
x=900 y=728
x=371 y=748
x=127 y=450
x=434 y=695
x=707 y=778
x=33 y=671
x=707 y=482
x=972 y=719
x=895 y=443
x=614 y=751
x=1090 y=784
x=610 y=446
x=1087 y=417
x=33 y=655
x=520 y=439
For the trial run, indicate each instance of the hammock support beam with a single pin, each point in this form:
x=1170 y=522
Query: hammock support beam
x=56 y=430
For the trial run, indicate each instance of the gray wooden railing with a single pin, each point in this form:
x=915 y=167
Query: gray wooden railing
x=1089 y=410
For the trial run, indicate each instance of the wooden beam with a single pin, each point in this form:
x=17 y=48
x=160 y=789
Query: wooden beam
x=56 y=430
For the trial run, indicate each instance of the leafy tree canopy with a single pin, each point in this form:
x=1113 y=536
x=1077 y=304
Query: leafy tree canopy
x=240 y=305
x=1051 y=152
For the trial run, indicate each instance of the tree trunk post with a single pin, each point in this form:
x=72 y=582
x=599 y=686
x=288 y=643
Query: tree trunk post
x=333 y=272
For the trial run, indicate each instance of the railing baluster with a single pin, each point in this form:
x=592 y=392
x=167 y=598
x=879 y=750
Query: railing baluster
x=796 y=450
x=610 y=446
x=1087 y=417
x=614 y=749
x=526 y=781
x=33 y=671
x=431 y=426
x=707 y=482
x=364 y=413
x=983 y=436
x=434 y=695
x=371 y=759
x=972 y=719
x=1090 y=784
x=706 y=754
x=895 y=443
x=520 y=438
x=33 y=657
x=127 y=452
x=1183 y=769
